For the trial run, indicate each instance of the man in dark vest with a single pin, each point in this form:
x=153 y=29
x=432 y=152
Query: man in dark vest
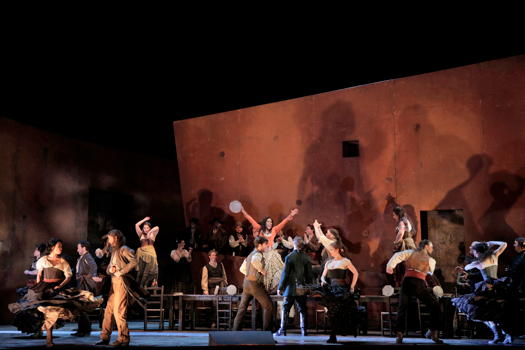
x=86 y=274
x=517 y=288
x=297 y=271
x=254 y=270
x=419 y=263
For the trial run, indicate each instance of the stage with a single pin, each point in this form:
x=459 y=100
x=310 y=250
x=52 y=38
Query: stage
x=10 y=338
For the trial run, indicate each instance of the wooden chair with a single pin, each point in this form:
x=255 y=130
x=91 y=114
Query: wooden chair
x=154 y=307
x=223 y=305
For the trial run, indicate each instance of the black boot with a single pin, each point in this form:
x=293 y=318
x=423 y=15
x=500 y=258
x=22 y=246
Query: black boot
x=332 y=339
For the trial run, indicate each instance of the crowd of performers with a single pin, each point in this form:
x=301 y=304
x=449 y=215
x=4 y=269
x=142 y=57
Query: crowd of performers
x=51 y=299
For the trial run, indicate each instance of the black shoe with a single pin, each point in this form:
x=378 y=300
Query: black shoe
x=81 y=334
x=118 y=343
x=102 y=342
x=332 y=339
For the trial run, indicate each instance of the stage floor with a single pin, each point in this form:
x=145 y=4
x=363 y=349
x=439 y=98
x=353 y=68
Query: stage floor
x=10 y=338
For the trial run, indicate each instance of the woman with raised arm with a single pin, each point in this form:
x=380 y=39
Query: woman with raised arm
x=404 y=231
x=49 y=301
x=337 y=295
x=332 y=236
x=274 y=262
x=482 y=305
x=147 y=265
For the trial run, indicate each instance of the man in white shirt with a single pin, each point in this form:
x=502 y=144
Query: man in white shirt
x=253 y=268
x=419 y=263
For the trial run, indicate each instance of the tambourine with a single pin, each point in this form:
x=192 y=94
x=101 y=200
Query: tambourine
x=231 y=290
x=438 y=291
x=388 y=290
x=235 y=206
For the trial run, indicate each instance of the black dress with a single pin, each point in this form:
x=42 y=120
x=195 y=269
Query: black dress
x=45 y=305
x=488 y=301
x=182 y=277
x=340 y=302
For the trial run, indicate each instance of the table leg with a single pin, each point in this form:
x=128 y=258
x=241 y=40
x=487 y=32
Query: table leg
x=181 y=313
x=170 y=312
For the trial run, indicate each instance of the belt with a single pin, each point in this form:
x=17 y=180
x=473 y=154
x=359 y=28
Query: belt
x=416 y=274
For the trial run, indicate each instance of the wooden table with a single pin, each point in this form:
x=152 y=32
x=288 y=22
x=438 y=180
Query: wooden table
x=181 y=300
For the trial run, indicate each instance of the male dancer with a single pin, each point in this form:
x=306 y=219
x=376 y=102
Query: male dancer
x=419 y=263
x=122 y=261
x=86 y=274
x=254 y=270
x=297 y=271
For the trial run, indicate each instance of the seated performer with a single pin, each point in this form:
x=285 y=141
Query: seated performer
x=254 y=270
x=419 y=263
x=297 y=271
x=486 y=304
x=86 y=274
x=213 y=274
x=147 y=265
x=48 y=301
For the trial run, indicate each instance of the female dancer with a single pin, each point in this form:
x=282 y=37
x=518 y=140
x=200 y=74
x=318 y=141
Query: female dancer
x=147 y=266
x=337 y=295
x=48 y=301
x=404 y=231
x=481 y=306
x=273 y=261
x=332 y=236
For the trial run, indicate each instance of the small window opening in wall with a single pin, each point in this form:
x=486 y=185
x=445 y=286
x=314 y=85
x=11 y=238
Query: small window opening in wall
x=350 y=149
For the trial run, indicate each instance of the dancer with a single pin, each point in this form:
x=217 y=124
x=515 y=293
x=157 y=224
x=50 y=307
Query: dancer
x=404 y=230
x=49 y=301
x=122 y=262
x=332 y=236
x=482 y=305
x=337 y=295
x=254 y=269
x=86 y=275
x=147 y=265
x=419 y=263
x=297 y=271
x=273 y=261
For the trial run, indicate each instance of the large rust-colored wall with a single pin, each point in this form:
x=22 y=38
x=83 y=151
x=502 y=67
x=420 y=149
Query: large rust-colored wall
x=452 y=139
x=44 y=185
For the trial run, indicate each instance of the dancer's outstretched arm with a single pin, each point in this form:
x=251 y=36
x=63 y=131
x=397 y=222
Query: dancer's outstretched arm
x=325 y=241
x=280 y=226
x=255 y=224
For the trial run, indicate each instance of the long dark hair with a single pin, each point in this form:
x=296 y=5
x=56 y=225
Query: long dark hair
x=263 y=224
x=51 y=244
x=483 y=250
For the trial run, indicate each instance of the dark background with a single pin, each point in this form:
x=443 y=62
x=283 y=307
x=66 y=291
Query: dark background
x=124 y=87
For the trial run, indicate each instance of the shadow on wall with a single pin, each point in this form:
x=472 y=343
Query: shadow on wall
x=203 y=209
x=505 y=189
x=331 y=187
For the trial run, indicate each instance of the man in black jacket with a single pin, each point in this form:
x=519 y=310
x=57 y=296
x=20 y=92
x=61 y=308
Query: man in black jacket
x=297 y=271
